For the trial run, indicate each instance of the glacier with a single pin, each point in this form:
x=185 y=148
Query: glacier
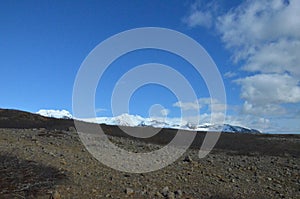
x=156 y=122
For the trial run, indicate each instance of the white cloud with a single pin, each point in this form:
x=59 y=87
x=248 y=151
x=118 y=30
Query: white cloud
x=230 y=74
x=276 y=57
x=199 y=18
x=270 y=88
x=165 y=112
x=218 y=107
x=264 y=39
x=263 y=109
x=264 y=94
x=259 y=123
x=201 y=14
x=187 y=105
x=253 y=24
x=265 y=35
x=212 y=104
x=200 y=103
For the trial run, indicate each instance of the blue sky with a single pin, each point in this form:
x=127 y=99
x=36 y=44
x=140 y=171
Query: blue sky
x=255 y=44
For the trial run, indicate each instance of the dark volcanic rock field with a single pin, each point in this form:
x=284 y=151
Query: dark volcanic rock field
x=44 y=158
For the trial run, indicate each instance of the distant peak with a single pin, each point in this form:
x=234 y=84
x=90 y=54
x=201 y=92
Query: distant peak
x=61 y=114
x=174 y=123
x=136 y=120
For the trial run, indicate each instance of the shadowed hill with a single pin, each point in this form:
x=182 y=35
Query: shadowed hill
x=25 y=120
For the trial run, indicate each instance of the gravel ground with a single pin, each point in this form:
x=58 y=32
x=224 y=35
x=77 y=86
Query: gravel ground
x=41 y=163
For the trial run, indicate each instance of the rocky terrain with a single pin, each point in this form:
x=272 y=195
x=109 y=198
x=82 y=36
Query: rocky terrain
x=44 y=158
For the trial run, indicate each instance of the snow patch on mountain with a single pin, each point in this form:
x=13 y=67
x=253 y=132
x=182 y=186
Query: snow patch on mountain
x=61 y=114
x=174 y=123
x=157 y=122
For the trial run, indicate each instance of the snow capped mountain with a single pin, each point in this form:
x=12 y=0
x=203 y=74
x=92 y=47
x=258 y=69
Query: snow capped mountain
x=136 y=120
x=174 y=123
x=227 y=128
x=61 y=114
x=128 y=120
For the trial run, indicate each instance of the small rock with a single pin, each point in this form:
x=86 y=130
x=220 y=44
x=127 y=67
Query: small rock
x=233 y=180
x=71 y=129
x=33 y=138
x=159 y=195
x=165 y=191
x=278 y=185
x=268 y=178
x=144 y=192
x=129 y=191
x=55 y=195
x=63 y=162
x=52 y=154
x=184 y=179
x=171 y=195
x=178 y=192
x=187 y=159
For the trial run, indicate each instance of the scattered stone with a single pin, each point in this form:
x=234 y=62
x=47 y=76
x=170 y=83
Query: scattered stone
x=72 y=129
x=129 y=191
x=278 y=185
x=159 y=195
x=256 y=171
x=187 y=159
x=55 y=195
x=63 y=162
x=171 y=195
x=33 y=138
x=144 y=192
x=52 y=154
x=178 y=192
x=165 y=191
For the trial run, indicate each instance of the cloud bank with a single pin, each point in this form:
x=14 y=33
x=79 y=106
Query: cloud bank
x=264 y=40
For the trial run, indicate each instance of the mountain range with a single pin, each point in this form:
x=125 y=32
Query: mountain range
x=136 y=120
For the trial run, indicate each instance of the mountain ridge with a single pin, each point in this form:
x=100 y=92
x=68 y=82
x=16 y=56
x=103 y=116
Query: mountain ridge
x=138 y=121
